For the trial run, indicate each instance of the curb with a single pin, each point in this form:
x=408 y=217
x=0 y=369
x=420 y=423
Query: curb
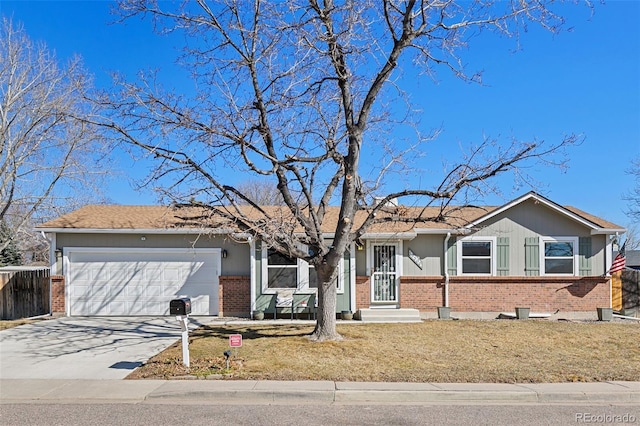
x=306 y=392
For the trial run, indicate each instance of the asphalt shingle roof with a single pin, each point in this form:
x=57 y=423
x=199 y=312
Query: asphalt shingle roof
x=118 y=217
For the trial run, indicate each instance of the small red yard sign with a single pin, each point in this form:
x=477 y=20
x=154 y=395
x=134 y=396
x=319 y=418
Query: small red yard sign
x=235 y=340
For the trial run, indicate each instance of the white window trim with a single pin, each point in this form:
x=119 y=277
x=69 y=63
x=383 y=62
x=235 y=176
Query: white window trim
x=494 y=261
x=303 y=276
x=573 y=240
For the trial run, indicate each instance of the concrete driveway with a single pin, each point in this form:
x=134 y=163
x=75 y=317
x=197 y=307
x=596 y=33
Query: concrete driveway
x=85 y=347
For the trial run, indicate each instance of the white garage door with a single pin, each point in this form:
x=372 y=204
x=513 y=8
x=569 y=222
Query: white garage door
x=140 y=281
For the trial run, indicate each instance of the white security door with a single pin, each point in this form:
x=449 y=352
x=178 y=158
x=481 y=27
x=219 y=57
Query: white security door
x=385 y=274
x=140 y=281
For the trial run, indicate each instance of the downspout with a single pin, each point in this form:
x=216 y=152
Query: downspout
x=252 y=271
x=446 y=270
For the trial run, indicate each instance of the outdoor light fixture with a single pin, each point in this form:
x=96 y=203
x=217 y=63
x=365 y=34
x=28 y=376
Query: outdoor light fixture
x=224 y=254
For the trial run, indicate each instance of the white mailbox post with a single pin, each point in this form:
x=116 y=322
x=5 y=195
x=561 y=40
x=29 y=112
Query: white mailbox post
x=181 y=308
x=184 y=325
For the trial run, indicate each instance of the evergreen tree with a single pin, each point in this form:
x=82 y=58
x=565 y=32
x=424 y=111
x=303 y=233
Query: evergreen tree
x=10 y=255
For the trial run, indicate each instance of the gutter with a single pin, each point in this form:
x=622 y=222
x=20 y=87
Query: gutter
x=203 y=231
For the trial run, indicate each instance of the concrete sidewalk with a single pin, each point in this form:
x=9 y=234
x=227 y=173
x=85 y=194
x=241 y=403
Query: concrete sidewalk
x=316 y=392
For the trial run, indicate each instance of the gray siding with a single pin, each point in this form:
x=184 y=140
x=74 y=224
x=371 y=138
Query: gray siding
x=361 y=262
x=429 y=249
x=531 y=220
x=525 y=222
x=236 y=263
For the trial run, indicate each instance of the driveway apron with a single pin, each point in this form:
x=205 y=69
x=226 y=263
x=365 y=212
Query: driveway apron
x=85 y=347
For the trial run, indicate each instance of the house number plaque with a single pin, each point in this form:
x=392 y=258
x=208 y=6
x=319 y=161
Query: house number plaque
x=414 y=257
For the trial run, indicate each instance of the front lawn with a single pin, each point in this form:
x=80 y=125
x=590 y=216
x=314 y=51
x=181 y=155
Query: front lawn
x=6 y=324
x=505 y=351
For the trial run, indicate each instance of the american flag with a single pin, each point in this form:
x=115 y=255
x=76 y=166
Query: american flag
x=619 y=261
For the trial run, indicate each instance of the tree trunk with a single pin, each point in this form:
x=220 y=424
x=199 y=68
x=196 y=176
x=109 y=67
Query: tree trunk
x=327 y=294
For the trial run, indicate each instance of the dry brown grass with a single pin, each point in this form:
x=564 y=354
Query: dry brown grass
x=6 y=324
x=432 y=351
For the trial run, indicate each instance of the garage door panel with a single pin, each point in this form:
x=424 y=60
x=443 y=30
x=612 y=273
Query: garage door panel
x=201 y=273
x=137 y=291
x=117 y=308
x=80 y=290
x=99 y=290
x=109 y=282
x=171 y=273
x=100 y=273
x=154 y=290
x=137 y=273
x=80 y=274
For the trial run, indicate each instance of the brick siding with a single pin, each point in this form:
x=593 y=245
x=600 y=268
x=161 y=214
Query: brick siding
x=422 y=293
x=498 y=294
x=234 y=296
x=57 y=294
x=363 y=292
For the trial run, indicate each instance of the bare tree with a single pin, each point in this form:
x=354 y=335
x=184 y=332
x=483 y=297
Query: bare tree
x=46 y=151
x=260 y=192
x=633 y=196
x=302 y=92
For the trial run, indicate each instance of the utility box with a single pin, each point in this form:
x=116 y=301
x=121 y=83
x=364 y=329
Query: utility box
x=181 y=306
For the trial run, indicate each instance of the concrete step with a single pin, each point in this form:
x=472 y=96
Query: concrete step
x=389 y=315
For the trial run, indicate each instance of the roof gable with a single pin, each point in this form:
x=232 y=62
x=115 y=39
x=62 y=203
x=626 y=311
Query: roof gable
x=596 y=224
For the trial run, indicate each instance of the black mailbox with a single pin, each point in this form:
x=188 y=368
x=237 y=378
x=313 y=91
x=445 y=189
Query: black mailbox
x=180 y=306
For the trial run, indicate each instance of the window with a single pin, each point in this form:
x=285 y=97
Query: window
x=558 y=255
x=313 y=278
x=476 y=256
x=282 y=272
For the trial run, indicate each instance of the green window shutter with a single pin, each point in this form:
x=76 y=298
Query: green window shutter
x=531 y=256
x=257 y=257
x=452 y=257
x=502 y=253
x=584 y=250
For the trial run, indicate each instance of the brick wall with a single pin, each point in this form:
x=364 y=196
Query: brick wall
x=234 y=296
x=422 y=293
x=57 y=294
x=363 y=292
x=498 y=294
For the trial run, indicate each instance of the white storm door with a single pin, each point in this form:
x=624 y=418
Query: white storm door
x=384 y=280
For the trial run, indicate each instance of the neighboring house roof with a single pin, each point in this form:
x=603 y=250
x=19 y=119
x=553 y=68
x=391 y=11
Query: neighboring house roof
x=113 y=218
x=23 y=268
x=632 y=258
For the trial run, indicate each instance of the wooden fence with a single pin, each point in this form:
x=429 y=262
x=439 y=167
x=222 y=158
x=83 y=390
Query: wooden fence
x=24 y=293
x=631 y=292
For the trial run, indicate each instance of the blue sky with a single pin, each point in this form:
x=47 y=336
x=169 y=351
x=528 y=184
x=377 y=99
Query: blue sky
x=585 y=81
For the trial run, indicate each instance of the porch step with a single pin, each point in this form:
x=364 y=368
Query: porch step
x=389 y=315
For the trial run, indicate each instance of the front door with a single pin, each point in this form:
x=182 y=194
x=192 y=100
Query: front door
x=385 y=275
